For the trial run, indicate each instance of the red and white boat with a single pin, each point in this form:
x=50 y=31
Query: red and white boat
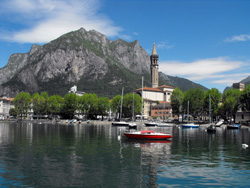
x=148 y=134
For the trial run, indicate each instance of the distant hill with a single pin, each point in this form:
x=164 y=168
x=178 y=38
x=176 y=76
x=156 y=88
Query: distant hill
x=87 y=59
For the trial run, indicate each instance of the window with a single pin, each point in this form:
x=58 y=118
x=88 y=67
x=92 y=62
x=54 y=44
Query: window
x=242 y=116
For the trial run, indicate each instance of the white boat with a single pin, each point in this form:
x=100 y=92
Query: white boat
x=219 y=123
x=211 y=128
x=190 y=125
x=132 y=125
x=120 y=123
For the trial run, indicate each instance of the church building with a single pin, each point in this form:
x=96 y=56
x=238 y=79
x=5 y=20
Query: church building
x=157 y=99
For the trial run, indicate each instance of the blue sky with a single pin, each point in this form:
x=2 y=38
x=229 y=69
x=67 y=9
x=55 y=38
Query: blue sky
x=206 y=41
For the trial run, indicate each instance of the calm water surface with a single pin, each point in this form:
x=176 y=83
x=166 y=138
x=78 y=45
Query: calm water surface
x=48 y=155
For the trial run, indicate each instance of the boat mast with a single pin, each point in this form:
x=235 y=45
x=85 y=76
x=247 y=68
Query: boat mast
x=209 y=109
x=188 y=111
x=121 y=104
x=142 y=100
x=133 y=115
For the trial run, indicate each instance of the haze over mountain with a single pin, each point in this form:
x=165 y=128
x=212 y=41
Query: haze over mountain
x=87 y=59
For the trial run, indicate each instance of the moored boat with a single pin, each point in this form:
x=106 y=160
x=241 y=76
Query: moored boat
x=233 y=126
x=190 y=125
x=148 y=134
x=120 y=123
x=211 y=128
x=219 y=123
x=132 y=125
x=150 y=123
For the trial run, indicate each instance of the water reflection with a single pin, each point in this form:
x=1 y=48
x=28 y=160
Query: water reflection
x=50 y=155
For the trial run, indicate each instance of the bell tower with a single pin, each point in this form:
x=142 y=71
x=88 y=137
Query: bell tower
x=154 y=68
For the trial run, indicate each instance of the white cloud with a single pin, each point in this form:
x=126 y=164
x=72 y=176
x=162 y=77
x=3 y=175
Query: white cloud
x=221 y=70
x=238 y=38
x=45 y=20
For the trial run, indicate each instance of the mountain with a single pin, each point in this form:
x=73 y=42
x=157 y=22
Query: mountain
x=87 y=59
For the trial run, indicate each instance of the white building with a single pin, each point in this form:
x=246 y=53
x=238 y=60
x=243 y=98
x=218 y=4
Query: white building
x=154 y=96
x=5 y=105
x=74 y=90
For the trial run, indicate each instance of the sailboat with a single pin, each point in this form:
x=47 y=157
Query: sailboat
x=211 y=128
x=120 y=123
x=132 y=124
x=189 y=125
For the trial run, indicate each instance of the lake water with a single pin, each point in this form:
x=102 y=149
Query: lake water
x=49 y=155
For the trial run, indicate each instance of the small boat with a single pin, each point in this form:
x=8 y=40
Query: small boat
x=132 y=125
x=150 y=123
x=147 y=134
x=233 y=126
x=219 y=123
x=120 y=123
x=190 y=125
x=211 y=128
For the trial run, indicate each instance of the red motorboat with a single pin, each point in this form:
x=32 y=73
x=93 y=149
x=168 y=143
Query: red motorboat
x=147 y=134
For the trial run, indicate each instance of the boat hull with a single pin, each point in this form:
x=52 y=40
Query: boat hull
x=190 y=126
x=150 y=124
x=235 y=126
x=148 y=136
x=120 y=123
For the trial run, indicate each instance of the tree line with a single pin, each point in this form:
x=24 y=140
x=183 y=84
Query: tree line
x=88 y=105
x=222 y=105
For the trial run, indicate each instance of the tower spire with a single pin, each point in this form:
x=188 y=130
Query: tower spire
x=154 y=50
x=154 y=68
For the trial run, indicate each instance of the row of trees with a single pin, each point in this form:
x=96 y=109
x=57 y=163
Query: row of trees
x=68 y=106
x=224 y=106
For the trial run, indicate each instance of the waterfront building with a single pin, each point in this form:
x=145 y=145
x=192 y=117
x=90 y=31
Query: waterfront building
x=5 y=105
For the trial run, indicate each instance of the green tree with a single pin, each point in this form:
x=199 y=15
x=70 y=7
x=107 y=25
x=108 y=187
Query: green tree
x=54 y=104
x=92 y=103
x=195 y=98
x=38 y=104
x=176 y=101
x=69 y=106
x=230 y=103
x=22 y=103
x=44 y=102
x=215 y=97
x=115 y=104
x=127 y=105
x=13 y=112
x=103 y=106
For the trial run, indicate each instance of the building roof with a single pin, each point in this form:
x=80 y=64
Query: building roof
x=154 y=50
x=7 y=99
x=149 y=89
x=165 y=86
x=158 y=89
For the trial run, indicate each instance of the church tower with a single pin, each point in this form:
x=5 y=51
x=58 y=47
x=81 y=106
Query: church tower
x=154 y=68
